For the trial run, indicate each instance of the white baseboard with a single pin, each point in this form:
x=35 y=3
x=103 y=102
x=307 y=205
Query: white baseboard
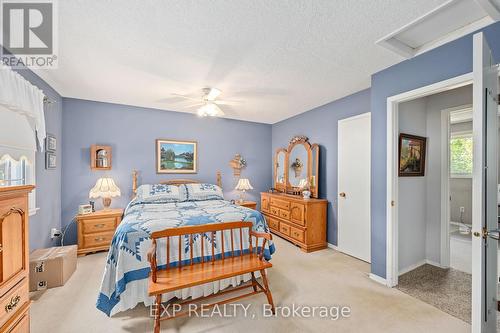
x=333 y=247
x=418 y=264
x=378 y=279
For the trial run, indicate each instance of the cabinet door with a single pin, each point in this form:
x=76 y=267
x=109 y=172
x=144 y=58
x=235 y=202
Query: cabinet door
x=12 y=242
x=297 y=213
x=264 y=203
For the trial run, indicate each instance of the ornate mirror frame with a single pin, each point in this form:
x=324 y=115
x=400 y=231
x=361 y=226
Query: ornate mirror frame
x=280 y=186
x=312 y=176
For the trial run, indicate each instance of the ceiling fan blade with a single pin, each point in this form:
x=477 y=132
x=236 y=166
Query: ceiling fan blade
x=219 y=113
x=212 y=94
x=186 y=97
x=226 y=102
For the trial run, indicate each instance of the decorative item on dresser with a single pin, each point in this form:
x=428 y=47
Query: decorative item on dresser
x=301 y=221
x=96 y=230
x=14 y=259
x=248 y=204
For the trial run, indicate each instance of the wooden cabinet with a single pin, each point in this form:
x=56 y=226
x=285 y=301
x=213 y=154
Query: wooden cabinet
x=264 y=203
x=301 y=221
x=96 y=230
x=14 y=259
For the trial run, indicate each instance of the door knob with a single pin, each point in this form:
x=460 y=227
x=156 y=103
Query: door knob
x=342 y=194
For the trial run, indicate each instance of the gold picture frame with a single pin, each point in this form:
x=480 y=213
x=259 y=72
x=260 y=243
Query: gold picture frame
x=174 y=156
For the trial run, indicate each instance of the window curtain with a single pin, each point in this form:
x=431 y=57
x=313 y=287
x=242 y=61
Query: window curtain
x=20 y=96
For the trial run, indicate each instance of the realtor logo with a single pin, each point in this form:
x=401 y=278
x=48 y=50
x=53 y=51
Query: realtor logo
x=28 y=33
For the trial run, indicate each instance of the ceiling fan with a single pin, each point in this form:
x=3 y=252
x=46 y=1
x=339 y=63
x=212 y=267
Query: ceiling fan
x=209 y=105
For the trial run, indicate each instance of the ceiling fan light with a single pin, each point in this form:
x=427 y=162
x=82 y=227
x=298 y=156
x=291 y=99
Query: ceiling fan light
x=209 y=109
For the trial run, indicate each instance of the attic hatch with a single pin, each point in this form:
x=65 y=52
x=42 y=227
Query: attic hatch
x=451 y=20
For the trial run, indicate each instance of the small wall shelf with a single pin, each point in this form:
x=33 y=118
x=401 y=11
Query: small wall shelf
x=100 y=157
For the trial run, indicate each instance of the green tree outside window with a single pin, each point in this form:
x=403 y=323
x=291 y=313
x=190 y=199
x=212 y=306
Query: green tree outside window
x=461 y=155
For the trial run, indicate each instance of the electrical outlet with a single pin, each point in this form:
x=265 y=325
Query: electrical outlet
x=462 y=209
x=55 y=233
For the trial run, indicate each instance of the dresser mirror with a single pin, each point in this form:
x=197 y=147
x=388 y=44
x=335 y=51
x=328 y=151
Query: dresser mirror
x=296 y=168
x=280 y=168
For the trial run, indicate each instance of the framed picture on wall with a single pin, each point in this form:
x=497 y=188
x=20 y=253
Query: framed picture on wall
x=412 y=150
x=176 y=156
x=50 y=142
x=50 y=160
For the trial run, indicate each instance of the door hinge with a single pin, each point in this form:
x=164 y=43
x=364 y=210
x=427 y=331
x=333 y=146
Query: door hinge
x=498 y=99
x=393 y=203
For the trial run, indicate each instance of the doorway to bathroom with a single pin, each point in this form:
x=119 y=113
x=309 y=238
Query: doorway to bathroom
x=435 y=205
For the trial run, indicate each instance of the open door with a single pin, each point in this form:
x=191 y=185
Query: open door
x=484 y=194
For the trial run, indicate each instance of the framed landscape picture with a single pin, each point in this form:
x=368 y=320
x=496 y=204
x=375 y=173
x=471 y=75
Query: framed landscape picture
x=412 y=150
x=176 y=156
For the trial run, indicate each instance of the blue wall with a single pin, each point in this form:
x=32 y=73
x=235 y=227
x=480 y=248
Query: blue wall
x=320 y=125
x=445 y=62
x=132 y=131
x=48 y=182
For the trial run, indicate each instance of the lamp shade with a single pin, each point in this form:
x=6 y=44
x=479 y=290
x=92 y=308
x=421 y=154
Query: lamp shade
x=243 y=185
x=104 y=188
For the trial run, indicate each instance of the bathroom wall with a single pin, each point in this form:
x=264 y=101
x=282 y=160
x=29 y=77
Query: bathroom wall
x=412 y=192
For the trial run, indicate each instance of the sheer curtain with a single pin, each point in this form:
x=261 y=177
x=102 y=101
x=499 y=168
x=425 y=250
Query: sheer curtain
x=20 y=96
x=22 y=126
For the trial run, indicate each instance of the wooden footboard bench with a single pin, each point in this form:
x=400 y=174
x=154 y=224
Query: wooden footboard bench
x=211 y=267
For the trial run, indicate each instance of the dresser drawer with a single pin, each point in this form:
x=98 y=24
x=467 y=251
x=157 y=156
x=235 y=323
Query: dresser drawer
x=284 y=214
x=98 y=239
x=274 y=224
x=275 y=211
x=297 y=234
x=13 y=300
x=21 y=324
x=98 y=225
x=285 y=229
x=280 y=203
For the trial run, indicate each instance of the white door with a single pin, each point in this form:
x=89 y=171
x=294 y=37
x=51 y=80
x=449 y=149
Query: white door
x=354 y=154
x=484 y=183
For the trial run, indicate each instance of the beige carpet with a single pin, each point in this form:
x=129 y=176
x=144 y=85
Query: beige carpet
x=322 y=278
x=447 y=289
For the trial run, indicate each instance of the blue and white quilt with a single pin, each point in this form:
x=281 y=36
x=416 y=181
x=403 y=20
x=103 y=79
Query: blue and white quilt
x=125 y=280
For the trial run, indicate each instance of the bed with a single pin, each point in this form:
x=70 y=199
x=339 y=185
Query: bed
x=125 y=279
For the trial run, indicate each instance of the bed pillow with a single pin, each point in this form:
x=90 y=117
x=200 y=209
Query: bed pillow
x=158 y=193
x=201 y=192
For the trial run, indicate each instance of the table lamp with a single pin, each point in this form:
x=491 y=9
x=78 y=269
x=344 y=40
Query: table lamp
x=243 y=185
x=106 y=189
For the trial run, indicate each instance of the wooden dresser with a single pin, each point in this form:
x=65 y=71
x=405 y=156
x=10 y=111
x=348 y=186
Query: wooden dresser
x=96 y=230
x=301 y=221
x=14 y=259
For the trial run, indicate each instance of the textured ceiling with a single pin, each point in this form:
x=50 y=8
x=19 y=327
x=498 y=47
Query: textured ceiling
x=273 y=59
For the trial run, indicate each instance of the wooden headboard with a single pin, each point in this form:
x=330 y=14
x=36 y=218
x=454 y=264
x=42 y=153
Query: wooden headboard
x=173 y=181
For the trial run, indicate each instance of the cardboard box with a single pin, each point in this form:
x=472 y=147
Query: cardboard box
x=51 y=267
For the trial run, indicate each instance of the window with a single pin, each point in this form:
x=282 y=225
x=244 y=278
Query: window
x=461 y=155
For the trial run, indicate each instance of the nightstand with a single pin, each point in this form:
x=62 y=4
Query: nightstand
x=96 y=230
x=248 y=204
